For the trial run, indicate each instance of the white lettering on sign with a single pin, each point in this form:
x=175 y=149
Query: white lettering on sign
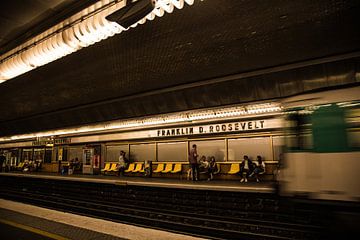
x=229 y=127
x=217 y=128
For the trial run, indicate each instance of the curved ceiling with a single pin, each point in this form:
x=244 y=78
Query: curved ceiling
x=211 y=39
x=22 y=19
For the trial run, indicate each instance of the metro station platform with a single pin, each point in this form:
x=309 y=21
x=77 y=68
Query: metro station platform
x=23 y=221
x=217 y=185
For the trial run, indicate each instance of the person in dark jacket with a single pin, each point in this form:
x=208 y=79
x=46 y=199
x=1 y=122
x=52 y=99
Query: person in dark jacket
x=193 y=155
x=259 y=168
x=2 y=160
x=245 y=166
x=212 y=168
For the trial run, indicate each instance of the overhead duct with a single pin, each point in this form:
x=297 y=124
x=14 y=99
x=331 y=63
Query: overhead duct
x=81 y=30
x=133 y=12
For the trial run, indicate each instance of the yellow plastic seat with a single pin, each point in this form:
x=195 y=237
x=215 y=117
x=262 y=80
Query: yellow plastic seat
x=131 y=167
x=168 y=168
x=177 y=168
x=234 y=168
x=106 y=168
x=20 y=166
x=138 y=168
x=113 y=167
x=160 y=167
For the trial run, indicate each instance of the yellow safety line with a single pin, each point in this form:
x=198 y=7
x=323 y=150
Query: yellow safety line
x=34 y=230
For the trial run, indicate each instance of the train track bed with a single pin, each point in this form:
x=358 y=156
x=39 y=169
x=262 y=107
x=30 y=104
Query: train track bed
x=206 y=213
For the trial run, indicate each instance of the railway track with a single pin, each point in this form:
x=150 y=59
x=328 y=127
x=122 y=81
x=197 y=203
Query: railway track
x=252 y=216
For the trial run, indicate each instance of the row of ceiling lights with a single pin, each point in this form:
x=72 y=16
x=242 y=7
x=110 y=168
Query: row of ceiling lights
x=81 y=30
x=182 y=117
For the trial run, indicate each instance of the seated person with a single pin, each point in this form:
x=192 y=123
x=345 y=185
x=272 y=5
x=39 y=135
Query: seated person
x=77 y=164
x=259 y=168
x=122 y=165
x=204 y=164
x=38 y=165
x=64 y=167
x=245 y=166
x=27 y=166
x=212 y=168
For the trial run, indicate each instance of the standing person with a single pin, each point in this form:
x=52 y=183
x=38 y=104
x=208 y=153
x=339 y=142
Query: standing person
x=2 y=160
x=259 y=169
x=122 y=163
x=245 y=166
x=193 y=163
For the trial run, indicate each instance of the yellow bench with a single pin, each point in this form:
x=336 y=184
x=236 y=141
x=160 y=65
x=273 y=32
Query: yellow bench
x=177 y=168
x=20 y=166
x=160 y=167
x=131 y=167
x=106 y=168
x=168 y=168
x=234 y=168
x=138 y=168
x=113 y=167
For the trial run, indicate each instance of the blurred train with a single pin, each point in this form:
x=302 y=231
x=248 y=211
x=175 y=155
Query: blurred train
x=312 y=142
x=322 y=147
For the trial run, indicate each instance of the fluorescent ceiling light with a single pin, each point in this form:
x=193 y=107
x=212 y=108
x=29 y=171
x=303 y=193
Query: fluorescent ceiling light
x=81 y=30
x=160 y=120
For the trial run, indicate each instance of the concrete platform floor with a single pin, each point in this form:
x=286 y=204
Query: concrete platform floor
x=24 y=221
x=219 y=185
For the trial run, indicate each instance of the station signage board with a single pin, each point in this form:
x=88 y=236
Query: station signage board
x=192 y=130
x=216 y=128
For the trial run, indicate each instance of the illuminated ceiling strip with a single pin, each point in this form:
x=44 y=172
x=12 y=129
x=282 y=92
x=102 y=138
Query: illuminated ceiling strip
x=172 y=118
x=71 y=35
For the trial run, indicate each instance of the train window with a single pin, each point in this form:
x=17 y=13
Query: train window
x=354 y=139
x=208 y=148
x=303 y=141
x=299 y=136
x=251 y=147
x=174 y=151
x=113 y=152
x=278 y=146
x=142 y=152
x=353 y=124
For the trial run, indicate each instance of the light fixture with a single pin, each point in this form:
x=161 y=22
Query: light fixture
x=81 y=30
x=151 y=121
x=132 y=13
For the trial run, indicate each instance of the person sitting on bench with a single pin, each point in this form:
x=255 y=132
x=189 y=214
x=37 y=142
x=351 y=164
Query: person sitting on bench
x=245 y=166
x=259 y=168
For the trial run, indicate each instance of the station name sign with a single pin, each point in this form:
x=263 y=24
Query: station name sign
x=220 y=128
x=51 y=142
x=193 y=130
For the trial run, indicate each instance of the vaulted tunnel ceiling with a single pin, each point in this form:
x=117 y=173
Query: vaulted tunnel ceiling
x=143 y=71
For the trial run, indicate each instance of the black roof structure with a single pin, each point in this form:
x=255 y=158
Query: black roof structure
x=214 y=53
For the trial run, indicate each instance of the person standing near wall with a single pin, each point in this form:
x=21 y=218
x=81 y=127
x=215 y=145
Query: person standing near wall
x=193 y=163
x=122 y=163
x=2 y=160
